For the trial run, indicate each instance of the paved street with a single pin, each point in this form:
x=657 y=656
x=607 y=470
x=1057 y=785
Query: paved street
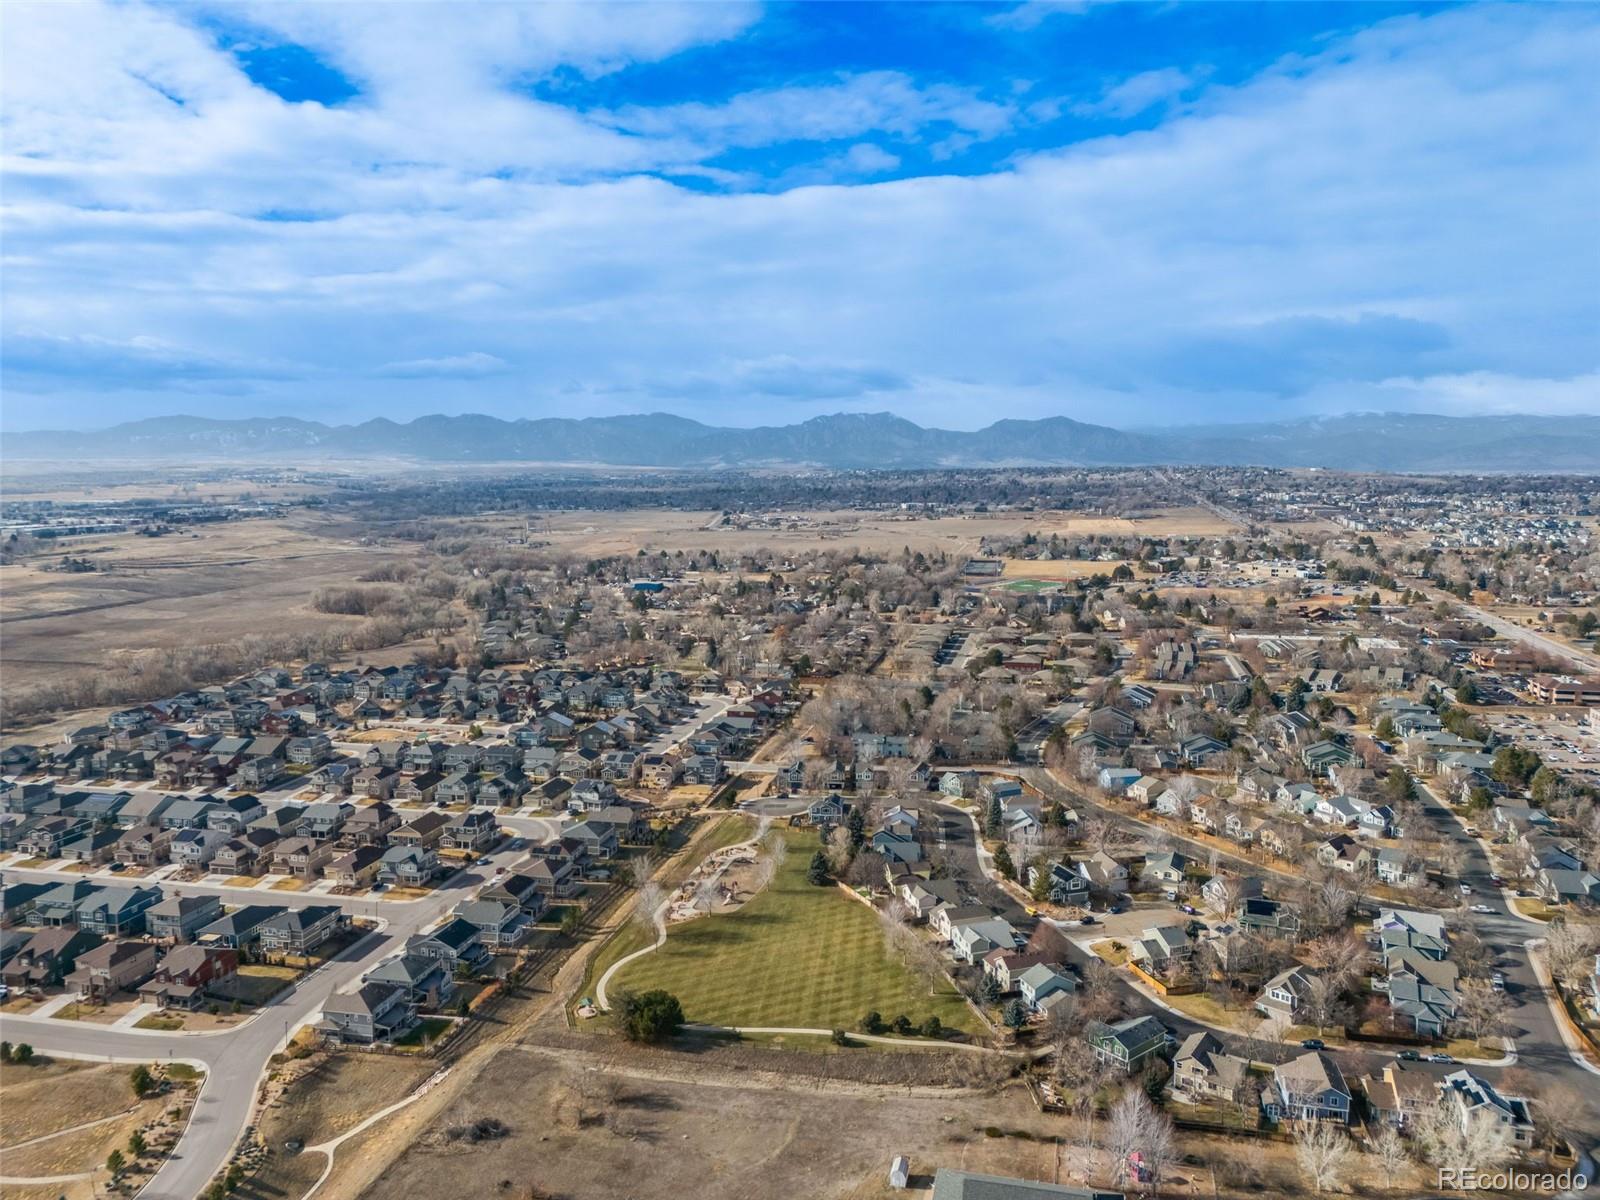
x=1541 y=1049
x=235 y=1059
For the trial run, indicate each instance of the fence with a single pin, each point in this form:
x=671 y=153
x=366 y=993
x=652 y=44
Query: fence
x=1187 y=988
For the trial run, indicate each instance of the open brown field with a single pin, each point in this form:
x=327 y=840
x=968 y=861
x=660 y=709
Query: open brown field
x=675 y=1125
x=1061 y=568
x=62 y=1118
x=219 y=583
x=335 y=1097
x=672 y=530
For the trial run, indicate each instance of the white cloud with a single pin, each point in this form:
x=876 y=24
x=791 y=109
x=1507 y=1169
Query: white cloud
x=1488 y=392
x=1031 y=14
x=1098 y=279
x=474 y=365
x=1139 y=92
x=877 y=101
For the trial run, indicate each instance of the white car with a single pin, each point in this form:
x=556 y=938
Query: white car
x=1482 y=908
x=1466 y=889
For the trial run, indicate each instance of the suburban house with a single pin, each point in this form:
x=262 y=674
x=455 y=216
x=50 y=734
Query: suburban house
x=47 y=957
x=1203 y=1070
x=456 y=943
x=1283 y=994
x=187 y=973
x=1067 y=885
x=196 y=848
x=1041 y=983
x=425 y=830
x=179 y=918
x=115 y=966
x=428 y=982
x=501 y=925
x=116 y=911
x=1167 y=867
x=300 y=930
x=471 y=832
x=358 y=868
x=247 y=854
x=302 y=857
x=408 y=866
x=1130 y=1043
x=555 y=876
x=1428 y=1007
x=240 y=928
x=1475 y=1099
x=1104 y=872
x=374 y=1012
x=971 y=940
x=1160 y=947
x=1308 y=1088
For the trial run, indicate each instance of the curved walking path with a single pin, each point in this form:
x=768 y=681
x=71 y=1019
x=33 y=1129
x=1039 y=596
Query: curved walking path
x=331 y=1147
x=44 y=1180
x=602 y=1000
x=880 y=1039
x=45 y=1137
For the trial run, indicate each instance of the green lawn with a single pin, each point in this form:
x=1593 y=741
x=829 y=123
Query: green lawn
x=796 y=955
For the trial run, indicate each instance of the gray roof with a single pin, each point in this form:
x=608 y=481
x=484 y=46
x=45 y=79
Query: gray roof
x=966 y=1185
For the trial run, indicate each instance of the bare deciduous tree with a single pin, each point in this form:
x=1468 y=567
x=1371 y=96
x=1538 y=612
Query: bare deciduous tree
x=1322 y=1149
x=1389 y=1148
x=1136 y=1125
x=1455 y=1141
x=647 y=906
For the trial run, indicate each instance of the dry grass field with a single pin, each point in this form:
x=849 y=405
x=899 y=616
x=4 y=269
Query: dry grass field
x=219 y=583
x=677 y=1124
x=670 y=530
x=62 y=1118
x=334 y=1098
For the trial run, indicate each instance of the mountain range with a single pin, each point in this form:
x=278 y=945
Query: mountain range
x=1355 y=442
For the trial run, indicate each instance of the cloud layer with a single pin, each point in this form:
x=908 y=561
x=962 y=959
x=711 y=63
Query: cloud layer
x=1402 y=219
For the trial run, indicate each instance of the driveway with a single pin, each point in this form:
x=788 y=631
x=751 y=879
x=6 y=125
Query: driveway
x=235 y=1059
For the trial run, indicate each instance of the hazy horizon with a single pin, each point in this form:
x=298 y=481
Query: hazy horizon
x=732 y=421
x=1130 y=215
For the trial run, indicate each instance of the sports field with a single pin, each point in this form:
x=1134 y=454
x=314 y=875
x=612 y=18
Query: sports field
x=795 y=956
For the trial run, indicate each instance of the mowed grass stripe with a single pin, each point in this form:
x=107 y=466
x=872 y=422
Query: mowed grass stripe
x=796 y=955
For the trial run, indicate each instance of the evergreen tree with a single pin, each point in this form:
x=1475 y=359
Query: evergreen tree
x=856 y=823
x=817 y=872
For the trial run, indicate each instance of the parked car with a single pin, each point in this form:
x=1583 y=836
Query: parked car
x=1482 y=908
x=1313 y=1044
x=1497 y=981
x=1440 y=1058
x=1409 y=1056
x=1466 y=889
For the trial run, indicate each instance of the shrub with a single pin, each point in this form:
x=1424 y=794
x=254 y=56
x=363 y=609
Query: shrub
x=650 y=1016
x=872 y=1022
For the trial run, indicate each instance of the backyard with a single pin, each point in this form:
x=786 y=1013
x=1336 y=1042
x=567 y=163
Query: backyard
x=794 y=956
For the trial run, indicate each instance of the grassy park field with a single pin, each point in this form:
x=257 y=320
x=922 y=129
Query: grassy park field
x=795 y=956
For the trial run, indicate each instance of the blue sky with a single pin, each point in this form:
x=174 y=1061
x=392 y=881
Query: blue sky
x=1125 y=213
